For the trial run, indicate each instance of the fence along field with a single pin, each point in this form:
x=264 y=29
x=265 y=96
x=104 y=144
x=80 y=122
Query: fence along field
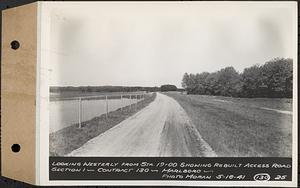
x=66 y=111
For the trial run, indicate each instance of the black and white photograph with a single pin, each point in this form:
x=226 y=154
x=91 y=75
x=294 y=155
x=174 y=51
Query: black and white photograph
x=171 y=80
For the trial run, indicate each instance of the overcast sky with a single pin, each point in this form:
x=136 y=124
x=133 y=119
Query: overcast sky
x=150 y=44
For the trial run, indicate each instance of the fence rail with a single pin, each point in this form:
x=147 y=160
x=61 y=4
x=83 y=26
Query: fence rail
x=93 y=97
x=132 y=103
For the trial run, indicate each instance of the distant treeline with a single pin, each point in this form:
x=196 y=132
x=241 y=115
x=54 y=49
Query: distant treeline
x=169 y=87
x=85 y=89
x=103 y=89
x=274 y=79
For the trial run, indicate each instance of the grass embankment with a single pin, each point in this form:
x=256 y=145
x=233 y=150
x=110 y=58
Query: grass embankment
x=70 y=138
x=240 y=127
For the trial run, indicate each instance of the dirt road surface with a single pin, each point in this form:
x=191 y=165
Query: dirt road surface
x=161 y=129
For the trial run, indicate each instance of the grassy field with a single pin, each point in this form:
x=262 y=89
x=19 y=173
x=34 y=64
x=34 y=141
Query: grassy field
x=70 y=138
x=241 y=127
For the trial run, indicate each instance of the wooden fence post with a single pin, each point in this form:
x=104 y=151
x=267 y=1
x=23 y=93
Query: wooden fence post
x=136 y=101
x=79 y=112
x=106 y=101
x=121 y=102
x=130 y=101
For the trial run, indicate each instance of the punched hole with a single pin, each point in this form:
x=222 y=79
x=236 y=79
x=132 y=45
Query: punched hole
x=16 y=148
x=15 y=44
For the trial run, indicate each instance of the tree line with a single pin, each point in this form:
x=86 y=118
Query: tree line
x=85 y=89
x=273 y=79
